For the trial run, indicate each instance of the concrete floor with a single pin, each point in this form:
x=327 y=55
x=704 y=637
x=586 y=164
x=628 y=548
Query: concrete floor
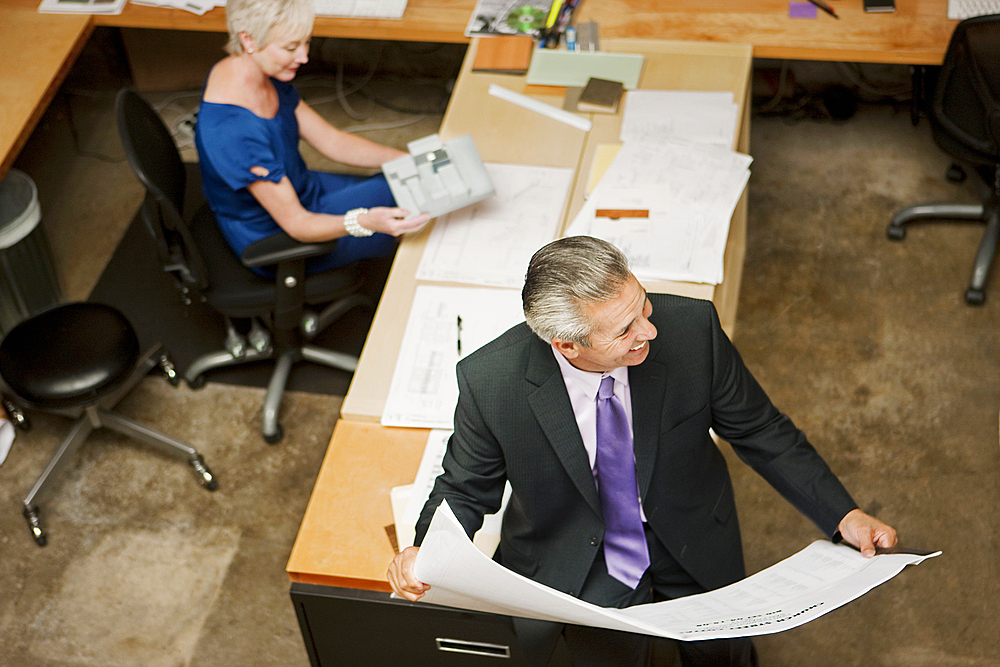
x=865 y=343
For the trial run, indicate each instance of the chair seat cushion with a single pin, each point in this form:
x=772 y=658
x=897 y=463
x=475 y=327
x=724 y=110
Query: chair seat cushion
x=237 y=291
x=70 y=355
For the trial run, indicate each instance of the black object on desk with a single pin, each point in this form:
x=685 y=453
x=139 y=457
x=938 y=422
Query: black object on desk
x=880 y=5
x=825 y=7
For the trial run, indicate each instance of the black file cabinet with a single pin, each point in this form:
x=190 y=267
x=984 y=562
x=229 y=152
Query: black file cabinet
x=346 y=627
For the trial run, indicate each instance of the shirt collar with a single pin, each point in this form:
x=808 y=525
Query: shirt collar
x=588 y=381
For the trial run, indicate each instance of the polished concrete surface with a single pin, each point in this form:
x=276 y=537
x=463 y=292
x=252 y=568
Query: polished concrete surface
x=867 y=344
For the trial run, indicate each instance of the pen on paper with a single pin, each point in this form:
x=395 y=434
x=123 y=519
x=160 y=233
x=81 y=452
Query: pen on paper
x=822 y=4
x=458 y=335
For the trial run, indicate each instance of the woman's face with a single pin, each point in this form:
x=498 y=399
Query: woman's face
x=283 y=56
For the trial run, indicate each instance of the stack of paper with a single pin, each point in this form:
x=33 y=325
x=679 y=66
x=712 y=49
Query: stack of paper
x=688 y=192
x=369 y=9
x=702 y=117
x=491 y=242
x=445 y=324
x=677 y=173
x=198 y=7
x=82 y=6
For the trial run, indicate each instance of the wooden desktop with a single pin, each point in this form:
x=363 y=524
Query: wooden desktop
x=915 y=34
x=45 y=46
x=39 y=50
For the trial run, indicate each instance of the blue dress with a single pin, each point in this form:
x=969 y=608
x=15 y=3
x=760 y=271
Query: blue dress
x=231 y=139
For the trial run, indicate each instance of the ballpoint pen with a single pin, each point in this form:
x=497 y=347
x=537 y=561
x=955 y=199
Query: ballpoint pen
x=825 y=7
x=458 y=336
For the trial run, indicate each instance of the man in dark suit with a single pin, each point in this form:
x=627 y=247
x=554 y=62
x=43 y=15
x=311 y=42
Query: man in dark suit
x=528 y=413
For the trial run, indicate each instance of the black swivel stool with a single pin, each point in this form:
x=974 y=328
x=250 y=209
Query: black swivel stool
x=79 y=360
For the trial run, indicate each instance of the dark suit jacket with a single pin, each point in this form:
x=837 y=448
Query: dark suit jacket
x=514 y=422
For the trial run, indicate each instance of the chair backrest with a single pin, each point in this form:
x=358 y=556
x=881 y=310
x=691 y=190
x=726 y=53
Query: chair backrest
x=157 y=164
x=966 y=104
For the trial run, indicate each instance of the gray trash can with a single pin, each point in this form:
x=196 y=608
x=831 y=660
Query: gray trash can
x=28 y=280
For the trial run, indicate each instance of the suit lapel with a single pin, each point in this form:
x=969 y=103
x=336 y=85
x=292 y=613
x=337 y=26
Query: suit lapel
x=648 y=385
x=550 y=404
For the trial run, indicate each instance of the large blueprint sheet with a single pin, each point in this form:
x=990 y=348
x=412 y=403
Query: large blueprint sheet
x=803 y=587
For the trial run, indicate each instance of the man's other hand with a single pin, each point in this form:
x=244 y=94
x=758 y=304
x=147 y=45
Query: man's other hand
x=866 y=532
x=401 y=578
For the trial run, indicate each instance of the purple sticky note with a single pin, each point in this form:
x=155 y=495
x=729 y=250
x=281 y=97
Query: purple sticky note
x=801 y=10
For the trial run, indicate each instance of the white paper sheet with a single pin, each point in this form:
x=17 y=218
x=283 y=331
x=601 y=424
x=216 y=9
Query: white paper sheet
x=690 y=192
x=704 y=117
x=799 y=589
x=424 y=390
x=490 y=243
x=82 y=6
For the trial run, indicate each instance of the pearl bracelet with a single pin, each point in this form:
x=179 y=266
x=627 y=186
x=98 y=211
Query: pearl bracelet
x=351 y=223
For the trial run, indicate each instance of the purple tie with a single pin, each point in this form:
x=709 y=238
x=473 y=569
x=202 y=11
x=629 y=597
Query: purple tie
x=625 y=549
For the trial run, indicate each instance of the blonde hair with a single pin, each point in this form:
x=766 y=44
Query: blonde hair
x=259 y=19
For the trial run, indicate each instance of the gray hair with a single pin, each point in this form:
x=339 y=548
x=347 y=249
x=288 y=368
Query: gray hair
x=565 y=276
x=259 y=19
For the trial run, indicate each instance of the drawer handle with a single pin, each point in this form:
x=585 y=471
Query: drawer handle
x=472 y=648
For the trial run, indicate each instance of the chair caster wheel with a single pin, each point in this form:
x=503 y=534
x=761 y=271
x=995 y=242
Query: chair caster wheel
x=975 y=297
x=895 y=233
x=275 y=437
x=35 y=526
x=169 y=370
x=15 y=415
x=197 y=383
x=205 y=476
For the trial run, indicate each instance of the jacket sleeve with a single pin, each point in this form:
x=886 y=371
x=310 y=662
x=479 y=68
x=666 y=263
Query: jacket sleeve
x=474 y=474
x=767 y=440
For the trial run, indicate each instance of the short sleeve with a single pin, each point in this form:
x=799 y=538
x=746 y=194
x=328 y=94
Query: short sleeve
x=235 y=141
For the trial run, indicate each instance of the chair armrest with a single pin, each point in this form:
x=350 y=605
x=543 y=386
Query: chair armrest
x=280 y=248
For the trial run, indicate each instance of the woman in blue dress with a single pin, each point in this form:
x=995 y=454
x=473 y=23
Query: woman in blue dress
x=249 y=125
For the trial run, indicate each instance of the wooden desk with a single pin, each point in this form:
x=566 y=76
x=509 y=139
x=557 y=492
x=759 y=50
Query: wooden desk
x=917 y=33
x=423 y=21
x=42 y=47
x=38 y=49
x=668 y=65
x=342 y=540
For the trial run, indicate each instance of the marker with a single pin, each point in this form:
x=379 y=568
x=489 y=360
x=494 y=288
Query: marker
x=825 y=7
x=553 y=14
x=570 y=38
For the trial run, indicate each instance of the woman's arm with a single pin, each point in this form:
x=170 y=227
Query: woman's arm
x=282 y=203
x=341 y=146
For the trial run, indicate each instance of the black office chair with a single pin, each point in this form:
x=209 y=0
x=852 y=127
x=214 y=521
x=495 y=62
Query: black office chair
x=965 y=121
x=204 y=267
x=80 y=360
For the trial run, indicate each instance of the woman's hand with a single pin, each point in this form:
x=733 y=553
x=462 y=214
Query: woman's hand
x=392 y=221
